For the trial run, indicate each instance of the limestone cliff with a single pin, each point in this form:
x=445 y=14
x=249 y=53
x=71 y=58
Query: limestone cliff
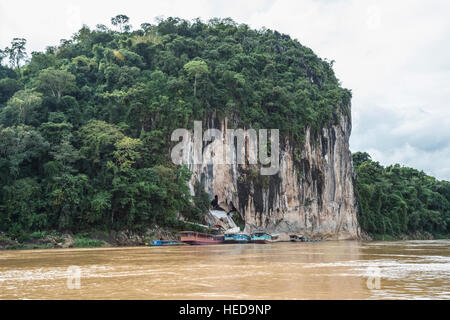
x=312 y=193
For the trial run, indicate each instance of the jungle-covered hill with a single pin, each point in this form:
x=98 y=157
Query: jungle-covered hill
x=85 y=126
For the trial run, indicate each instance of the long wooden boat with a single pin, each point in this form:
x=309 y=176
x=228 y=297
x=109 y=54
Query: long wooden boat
x=264 y=237
x=159 y=243
x=236 y=238
x=198 y=238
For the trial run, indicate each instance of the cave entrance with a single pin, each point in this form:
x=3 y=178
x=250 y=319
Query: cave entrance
x=225 y=216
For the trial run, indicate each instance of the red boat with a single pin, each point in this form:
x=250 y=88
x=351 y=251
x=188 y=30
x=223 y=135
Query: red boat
x=198 y=238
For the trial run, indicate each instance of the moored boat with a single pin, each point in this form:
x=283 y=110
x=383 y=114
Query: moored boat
x=264 y=237
x=297 y=238
x=159 y=243
x=198 y=238
x=300 y=238
x=236 y=238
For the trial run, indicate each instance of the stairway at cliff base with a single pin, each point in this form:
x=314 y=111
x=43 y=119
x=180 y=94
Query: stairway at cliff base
x=222 y=214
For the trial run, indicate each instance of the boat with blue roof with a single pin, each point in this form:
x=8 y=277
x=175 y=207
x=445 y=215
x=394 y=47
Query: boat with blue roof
x=237 y=238
x=162 y=243
x=264 y=237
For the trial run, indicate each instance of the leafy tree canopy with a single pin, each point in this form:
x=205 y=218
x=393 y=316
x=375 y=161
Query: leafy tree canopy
x=396 y=201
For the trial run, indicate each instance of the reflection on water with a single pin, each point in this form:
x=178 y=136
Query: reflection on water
x=322 y=270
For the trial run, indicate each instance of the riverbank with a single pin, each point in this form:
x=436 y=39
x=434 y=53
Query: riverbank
x=404 y=237
x=98 y=239
x=94 y=239
x=126 y=238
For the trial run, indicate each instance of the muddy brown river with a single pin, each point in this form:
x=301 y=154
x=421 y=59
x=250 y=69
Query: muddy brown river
x=321 y=270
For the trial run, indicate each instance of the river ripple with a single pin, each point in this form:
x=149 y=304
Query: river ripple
x=321 y=270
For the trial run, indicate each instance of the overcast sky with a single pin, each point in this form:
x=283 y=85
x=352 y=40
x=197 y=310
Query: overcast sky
x=393 y=55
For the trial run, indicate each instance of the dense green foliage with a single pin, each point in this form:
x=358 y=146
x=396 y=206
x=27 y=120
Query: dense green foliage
x=399 y=201
x=85 y=126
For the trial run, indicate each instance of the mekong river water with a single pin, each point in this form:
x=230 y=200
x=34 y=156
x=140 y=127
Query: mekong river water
x=320 y=270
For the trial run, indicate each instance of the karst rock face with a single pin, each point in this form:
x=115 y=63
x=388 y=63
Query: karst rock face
x=312 y=194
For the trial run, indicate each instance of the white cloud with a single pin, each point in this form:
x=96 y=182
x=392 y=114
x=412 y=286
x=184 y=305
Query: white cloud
x=394 y=55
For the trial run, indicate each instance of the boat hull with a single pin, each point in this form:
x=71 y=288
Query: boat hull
x=264 y=241
x=261 y=241
x=197 y=238
x=202 y=242
x=236 y=241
